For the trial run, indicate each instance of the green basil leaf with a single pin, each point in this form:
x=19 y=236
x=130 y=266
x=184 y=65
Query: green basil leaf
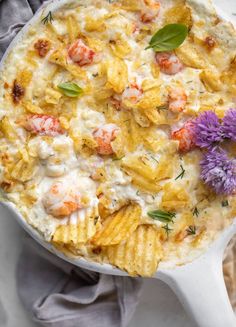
x=163 y=216
x=71 y=90
x=168 y=38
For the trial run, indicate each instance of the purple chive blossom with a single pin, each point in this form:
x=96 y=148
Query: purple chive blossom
x=219 y=171
x=208 y=130
x=229 y=124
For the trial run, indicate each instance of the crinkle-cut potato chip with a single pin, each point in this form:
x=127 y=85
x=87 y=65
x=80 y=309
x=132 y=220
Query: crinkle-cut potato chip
x=181 y=226
x=180 y=14
x=79 y=232
x=228 y=77
x=96 y=44
x=143 y=175
x=140 y=254
x=174 y=197
x=148 y=105
x=190 y=55
x=141 y=119
x=120 y=47
x=24 y=77
x=94 y=25
x=118 y=146
x=165 y=168
x=58 y=57
x=117 y=75
x=211 y=80
x=140 y=166
x=102 y=94
x=143 y=183
x=72 y=27
x=31 y=108
x=119 y=226
x=83 y=143
x=131 y=5
x=23 y=171
x=7 y=129
x=52 y=96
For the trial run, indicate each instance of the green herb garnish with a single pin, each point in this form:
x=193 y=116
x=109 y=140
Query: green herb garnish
x=167 y=230
x=153 y=158
x=47 y=19
x=162 y=107
x=181 y=175
x=168 y=38
x=225 y=203
x=191 y=230
x=196 y=212
x=71 y=90
x=163 y=216
x=96 y=220
x=117 y=159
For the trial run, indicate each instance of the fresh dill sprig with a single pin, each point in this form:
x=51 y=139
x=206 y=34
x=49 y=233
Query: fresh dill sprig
x=167 y=230
x=181 y=175
x=225 y=203
x=191 y=230
x=196 y=212
x=48 y=19
x=162 y=107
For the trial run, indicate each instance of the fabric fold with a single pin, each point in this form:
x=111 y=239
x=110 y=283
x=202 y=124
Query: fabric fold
x=57 y=293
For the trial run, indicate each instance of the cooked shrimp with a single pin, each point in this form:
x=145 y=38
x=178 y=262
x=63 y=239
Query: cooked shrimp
x=104 y=135
x=151 y=11
x=42 y=125
x=169 y=63
x=185 y=136
x=61 y=200
x=177 y=100
x=133 y=93
x=80 y=53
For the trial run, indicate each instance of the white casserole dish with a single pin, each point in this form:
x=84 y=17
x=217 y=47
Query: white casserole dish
x=199 y=285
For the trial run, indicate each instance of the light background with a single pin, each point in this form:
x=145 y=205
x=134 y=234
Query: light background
x=158 y=306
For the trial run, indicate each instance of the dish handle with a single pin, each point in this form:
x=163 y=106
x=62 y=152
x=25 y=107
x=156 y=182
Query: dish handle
x=201 y=289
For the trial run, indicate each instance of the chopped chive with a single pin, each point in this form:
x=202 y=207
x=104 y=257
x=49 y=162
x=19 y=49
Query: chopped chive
x=181 y=175
x=191 y=230
x=163 y=216
x=116 y=159
x=225 y=203
x=196 y=212
x=153 y=158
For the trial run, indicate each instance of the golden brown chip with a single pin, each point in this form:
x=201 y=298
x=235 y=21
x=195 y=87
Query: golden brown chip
x=117 y=75
x=140 y=254
x=79 y=233
x=119 y=226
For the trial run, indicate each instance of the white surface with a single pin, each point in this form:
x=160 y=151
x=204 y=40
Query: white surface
x=158 y=306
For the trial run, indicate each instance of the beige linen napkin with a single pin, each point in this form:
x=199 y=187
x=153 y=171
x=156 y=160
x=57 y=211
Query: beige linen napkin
x=58 y=294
